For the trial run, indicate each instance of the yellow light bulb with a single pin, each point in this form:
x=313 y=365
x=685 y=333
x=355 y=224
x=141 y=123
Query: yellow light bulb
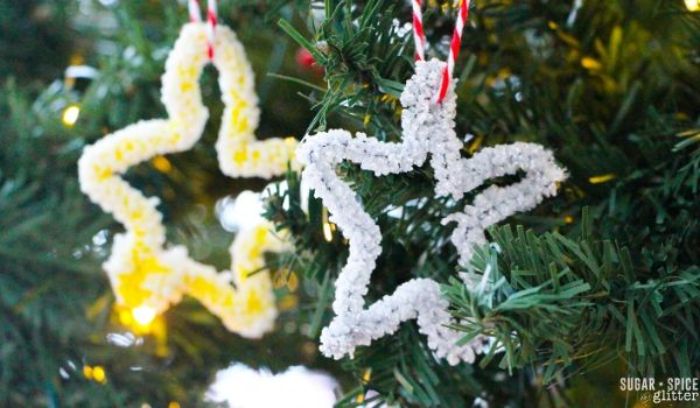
x=98 y=374
x=692 y=5
x=70 y=115
x=367 y=375
x=87 y=372
x=328 y=231
x=603 y=178
x=125 y=316
x=162 y=164
x=143 y=315
x=591 y=64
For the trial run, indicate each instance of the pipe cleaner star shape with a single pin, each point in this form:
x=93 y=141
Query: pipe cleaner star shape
x=146 y=276
x=428 y=129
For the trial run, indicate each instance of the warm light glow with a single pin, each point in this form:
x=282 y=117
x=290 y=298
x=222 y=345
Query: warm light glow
x=98 y=374
x=367 y=375
x=603 y=178
x=591 y=64
x=87 y=372
x=475 y=144
x=162 y=164
x=174 y=404
x=693 y=5
x=144 y=315
x=328 y=231
x=76 y=59
x=125 y=316
x=70 y=115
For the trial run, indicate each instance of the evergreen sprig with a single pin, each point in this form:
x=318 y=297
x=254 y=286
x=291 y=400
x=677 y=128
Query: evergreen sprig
x=553 y=301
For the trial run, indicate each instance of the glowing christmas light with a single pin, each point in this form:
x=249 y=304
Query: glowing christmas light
x=96 y=373
x=99 y=375
x=603 y=178
x=144 y=315
x=591 y=64
x=327 y=231
x=70 y=115
x=162 y=164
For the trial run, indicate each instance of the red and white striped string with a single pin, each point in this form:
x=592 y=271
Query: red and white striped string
x=419 y=38
x=418 y=33
x=212 y=20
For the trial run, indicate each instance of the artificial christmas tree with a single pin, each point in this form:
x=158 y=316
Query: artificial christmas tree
x=595 y=285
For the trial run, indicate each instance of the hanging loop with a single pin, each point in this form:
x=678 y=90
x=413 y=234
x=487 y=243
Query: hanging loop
x=419 y=39
x=212 y=21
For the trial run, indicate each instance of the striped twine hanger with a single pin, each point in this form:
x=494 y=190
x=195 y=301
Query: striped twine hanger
x=212 y=20
x=419 y=38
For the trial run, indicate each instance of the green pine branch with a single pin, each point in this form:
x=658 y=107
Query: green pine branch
x=554 y=301
x=612 y=89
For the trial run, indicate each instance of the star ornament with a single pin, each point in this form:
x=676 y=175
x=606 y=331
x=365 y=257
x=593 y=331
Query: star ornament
x=428 y=130
x=145 y=274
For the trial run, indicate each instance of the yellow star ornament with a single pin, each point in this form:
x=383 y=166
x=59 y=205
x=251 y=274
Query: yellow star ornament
x=146 y=275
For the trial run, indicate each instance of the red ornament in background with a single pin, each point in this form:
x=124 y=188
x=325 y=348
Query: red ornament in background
x=307 y=62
